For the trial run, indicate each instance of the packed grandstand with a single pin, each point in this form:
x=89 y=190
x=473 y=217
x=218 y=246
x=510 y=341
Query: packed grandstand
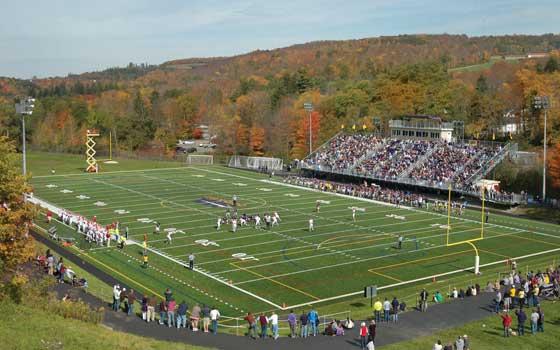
x=428 y=163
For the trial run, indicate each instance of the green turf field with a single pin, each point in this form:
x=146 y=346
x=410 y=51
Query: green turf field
x=290 y=267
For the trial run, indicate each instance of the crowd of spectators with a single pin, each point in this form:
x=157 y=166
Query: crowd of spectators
x=342 y=152
x=394 y=158
x=364 y=190
x=389 y=159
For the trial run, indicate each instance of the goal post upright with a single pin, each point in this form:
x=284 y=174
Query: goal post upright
x=468 y=241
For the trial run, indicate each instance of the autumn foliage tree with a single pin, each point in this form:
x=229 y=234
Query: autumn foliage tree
x=16 y=215
x=554 y=165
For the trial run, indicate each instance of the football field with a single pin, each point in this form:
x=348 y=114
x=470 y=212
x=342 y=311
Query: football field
x=285 y=266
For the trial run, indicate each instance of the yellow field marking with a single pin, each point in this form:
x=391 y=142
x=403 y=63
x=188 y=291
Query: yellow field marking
x=118 y=273
x=418 y=260
x=274 y=281
x=386 y=276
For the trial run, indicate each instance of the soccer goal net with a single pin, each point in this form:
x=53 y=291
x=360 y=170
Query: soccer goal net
x=256 y=163
x=200 y=159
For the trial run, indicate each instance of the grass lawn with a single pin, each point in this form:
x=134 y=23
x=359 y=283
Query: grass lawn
x=23 y=327
x=287 y=266
x=485 y=65
x=487 y=334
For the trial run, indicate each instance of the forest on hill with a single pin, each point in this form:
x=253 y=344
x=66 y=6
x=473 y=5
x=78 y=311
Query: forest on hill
x=253 y=103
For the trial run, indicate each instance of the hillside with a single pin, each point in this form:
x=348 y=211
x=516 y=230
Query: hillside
x=253 y=102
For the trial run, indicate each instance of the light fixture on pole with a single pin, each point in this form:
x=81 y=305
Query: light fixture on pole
x=308 y=106
x=24 y=107
x=542 y=102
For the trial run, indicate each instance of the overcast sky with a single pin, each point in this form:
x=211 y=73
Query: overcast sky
x=57 y=37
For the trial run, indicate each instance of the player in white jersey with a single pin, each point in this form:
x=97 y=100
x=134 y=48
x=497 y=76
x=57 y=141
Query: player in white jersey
x=353 y=214
x=275 y=221
x=242 y=221
x=169 y=233
x=311 y=225
x=234 y=225
x=257 y=221
x=277 y=216
x=218 y=224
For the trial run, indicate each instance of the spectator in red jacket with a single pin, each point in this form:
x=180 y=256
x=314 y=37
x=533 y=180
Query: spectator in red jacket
x=506 y=322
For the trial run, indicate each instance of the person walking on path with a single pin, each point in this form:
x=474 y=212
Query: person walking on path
x=252 y=325
x=214 y=317
x=363 y=335
x=377 y=308
x=145 y=308
x=116 y=297
x=205 y=318
x=303 y=324
x=372 y=330
x=506 y=322
x=386 y=310
x=312 y=318
x=292 y=322
x=424 y=300
x=263 y=321
x=521 y=318
x=395 y=305
x=273 y=320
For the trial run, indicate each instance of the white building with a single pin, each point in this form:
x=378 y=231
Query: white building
x=421 y=127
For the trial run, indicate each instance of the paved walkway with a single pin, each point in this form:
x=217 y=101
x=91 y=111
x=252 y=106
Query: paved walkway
x=411 y=324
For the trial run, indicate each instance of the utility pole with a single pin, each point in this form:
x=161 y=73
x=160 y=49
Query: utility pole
x=23 y=108
x=308 y=106
x=542 y=102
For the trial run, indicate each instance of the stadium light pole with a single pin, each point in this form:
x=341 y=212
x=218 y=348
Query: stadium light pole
x=24 y=107
x=542 y=102
x=308 y=106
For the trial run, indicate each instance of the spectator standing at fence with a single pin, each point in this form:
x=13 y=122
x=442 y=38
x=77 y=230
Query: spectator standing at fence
x=303 y=324
x=540 y=322
x=131 y=298
x=162 y=311
x=521 y=318
x=263 y=322
x=273 y=320
x=386 y=310
x=395 y=305
x=312 y=318
x=459 y=343
x=151 y=313
x=251 y=325
x=292 y=322
x=145 y=308
x=195 y=317
x=363 y=335
x=214 y=317
x=205 y=318
x=424 y=300
x=182 y=315
x=377 y=308
x=171 y=305
x=168 y=294
x=506 y=322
